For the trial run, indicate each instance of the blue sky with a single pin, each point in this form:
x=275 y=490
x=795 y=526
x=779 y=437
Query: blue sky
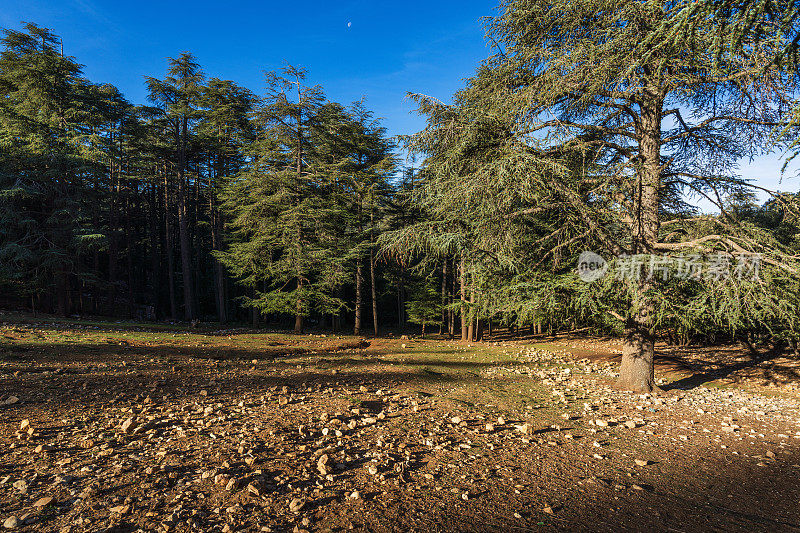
x=389 y=48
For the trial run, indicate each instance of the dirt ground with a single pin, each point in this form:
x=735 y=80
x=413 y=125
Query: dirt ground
x=123 y=427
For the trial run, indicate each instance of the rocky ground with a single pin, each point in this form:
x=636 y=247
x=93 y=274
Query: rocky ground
x=121 y=428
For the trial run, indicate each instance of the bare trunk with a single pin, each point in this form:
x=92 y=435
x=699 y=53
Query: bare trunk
x=463 y=313
x=173 y=305
x=183 y=225
x=155 y=259
x=451 y=315
x=374 y=291
x=471 y=327
x=62 y=292
x=219 y=272
x=298 y=317
x=359 y=297
x=637 y=368
x=253 y=311
x=401 y=312
x=636 y=372
x=444 y=297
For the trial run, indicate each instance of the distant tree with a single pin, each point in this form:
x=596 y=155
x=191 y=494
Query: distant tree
x=44 y=201
x=281 y=215
x=225 y=130
x=178 y=95
x=425 y=306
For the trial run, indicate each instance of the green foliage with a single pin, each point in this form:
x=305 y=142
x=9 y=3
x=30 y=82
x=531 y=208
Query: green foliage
x=425 y=305
x=298 y=210
x=570 y=138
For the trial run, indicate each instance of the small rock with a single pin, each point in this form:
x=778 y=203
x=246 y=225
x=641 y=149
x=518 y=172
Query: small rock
x=127 y=426
x=43 y=502
x=25 y=424
x=296 y=505
x=641 y=462
x=12 y=522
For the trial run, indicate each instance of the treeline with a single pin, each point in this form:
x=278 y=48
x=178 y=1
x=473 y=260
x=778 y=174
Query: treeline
x=211 y=203
x=590 y=127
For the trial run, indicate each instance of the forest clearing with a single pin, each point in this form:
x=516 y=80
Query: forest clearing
x=465 y=265
x=115 y=427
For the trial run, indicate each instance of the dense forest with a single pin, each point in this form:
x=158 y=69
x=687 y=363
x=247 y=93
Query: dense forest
x=588 y=128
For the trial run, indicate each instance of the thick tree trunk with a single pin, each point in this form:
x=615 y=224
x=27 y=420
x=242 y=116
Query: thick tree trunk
x=637 y=368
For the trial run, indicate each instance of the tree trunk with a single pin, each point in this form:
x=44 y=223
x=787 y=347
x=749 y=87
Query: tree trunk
x=374 y=290
x=173 y=305
x=62 y=292
x=219 y=272
x=451 y=315
x=463 y=312
x=298 y=317
x=637 y=368
x=401 y=312
x=444 y=297
x=359 y=297
x=155 y=259
x=471 y=327
x=253 y=310
x=186 y=256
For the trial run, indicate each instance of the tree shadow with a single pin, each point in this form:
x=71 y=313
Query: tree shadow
x=716 y=366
